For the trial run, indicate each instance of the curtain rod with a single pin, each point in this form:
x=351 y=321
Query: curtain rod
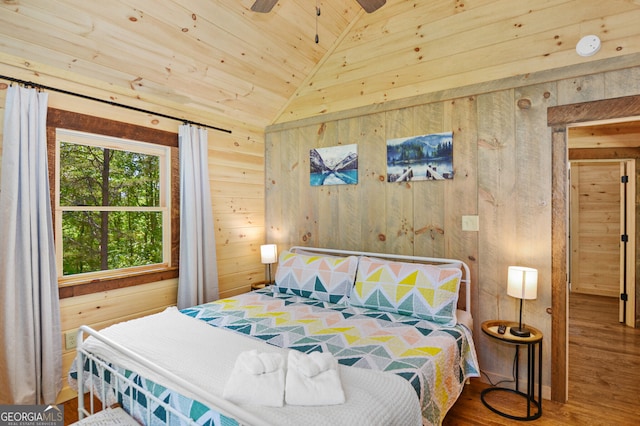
x=104 y=101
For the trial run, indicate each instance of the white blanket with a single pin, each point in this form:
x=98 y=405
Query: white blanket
x=203 y=357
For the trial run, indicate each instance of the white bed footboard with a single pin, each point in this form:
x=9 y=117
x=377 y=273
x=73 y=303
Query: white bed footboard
x=174 y=354
x=87 y=384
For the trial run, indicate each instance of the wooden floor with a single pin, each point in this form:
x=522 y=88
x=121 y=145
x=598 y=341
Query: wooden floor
x=71 y=409
x=604 y=375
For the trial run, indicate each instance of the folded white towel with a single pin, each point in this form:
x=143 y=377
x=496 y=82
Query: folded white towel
x=254 y=362
x=313 y=379
x=257 y=378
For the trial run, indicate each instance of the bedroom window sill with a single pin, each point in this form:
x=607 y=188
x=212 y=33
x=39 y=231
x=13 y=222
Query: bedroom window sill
x=96 y=285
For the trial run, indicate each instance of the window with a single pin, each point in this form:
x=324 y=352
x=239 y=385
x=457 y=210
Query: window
x=112 y=206
x=87 y=283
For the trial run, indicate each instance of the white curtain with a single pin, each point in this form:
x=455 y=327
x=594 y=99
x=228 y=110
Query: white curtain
x=198 y=282
x=30 y=339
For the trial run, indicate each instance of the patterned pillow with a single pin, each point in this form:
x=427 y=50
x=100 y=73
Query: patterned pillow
x=422 y=291
x=326 y=278
x=454 y=264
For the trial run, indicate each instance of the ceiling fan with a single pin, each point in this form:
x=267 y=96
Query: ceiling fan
x=265 y=6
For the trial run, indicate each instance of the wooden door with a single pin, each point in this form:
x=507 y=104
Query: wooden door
x=627 y=313
x=602 y=231
x=595 y=228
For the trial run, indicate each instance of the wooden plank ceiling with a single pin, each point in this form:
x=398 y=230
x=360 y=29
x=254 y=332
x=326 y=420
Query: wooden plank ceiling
x=218 y=60
x=217 y=56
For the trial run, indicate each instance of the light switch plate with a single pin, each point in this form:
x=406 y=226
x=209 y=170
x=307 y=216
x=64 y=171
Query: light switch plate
x=470 y=223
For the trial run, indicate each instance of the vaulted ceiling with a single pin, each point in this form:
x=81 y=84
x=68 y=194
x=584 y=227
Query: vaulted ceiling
x=217 y=60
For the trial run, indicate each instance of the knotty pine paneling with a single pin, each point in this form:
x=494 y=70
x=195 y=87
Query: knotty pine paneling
x=221 y=62
x=398 y=196
x=100 y=310
x=601 y=233
x=429 y=229
x=217 y=58
x=432 y=46
x=625 y=134
x=460 y=194
x=496 y=190
x=532 y=216
x=503 y=173
x=372 y=180
x=236 y=169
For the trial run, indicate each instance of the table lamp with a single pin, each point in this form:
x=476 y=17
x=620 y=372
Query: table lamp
x=522 y=283
x=268 y=255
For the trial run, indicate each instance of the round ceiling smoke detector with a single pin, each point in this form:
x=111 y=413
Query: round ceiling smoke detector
x=588 y=45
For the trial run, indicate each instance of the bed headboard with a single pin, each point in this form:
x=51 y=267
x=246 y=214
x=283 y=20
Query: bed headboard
x=466 y=274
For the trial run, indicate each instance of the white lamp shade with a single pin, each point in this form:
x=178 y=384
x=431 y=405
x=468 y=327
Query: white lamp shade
x=268 y=253
x=522 y=282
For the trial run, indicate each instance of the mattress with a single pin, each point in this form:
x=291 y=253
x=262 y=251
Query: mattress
x=196 y=363
x=435 y=360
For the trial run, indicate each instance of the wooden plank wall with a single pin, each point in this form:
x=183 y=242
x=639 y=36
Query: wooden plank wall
x=100 y=310
x=236 y=168
x=502 y=162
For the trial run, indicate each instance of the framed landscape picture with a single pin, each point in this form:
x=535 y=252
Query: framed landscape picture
x=424 y=157
x=336 y=165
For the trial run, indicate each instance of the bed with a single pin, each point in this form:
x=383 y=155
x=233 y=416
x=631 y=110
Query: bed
x=404 y=348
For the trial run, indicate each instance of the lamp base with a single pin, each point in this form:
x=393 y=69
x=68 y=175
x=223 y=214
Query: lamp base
x=519 y=332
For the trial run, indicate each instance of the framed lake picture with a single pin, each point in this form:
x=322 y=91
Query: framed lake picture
x=424 y=157
x=336 y=165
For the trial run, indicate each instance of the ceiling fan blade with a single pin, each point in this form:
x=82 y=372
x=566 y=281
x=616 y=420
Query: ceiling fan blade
x=371 y=6
x=263 y=6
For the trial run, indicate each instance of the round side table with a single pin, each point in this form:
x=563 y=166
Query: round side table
x=532 y=342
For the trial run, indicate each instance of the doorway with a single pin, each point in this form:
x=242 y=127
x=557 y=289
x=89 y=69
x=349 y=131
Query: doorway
x=601 y=234
x=558 y=119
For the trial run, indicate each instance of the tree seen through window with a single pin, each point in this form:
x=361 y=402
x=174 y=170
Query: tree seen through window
x=111 y=204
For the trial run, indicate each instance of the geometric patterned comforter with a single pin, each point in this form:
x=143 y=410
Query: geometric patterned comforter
x=436 y=360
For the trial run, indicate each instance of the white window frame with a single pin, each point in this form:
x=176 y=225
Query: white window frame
x=121 y=144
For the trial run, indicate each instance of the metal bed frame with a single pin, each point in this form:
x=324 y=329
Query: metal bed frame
x=466 y=276
x=118 y=379
x=222 y=406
